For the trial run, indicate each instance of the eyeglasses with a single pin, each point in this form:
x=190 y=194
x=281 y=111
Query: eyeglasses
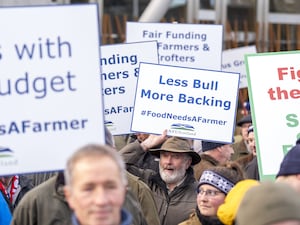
x=208 y=193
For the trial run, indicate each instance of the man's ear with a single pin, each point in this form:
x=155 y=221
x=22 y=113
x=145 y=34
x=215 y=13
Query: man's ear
x=68 y=195
x=220 y=148
x=189 y=162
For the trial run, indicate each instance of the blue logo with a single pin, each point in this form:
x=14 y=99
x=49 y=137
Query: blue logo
x=110 y=125
x=6 y=152
x=181 y=126
x=7 y=157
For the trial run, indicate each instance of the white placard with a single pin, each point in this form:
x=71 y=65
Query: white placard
x=191 y=103
x=273 y=80
x=234 y=61
x=119 y=72
x=49 y=85
x=188 y=45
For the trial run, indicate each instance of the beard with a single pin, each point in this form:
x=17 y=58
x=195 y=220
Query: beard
x=175 y=177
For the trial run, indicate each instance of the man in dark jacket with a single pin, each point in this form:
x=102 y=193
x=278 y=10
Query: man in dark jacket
x=213 y=154
x=251 y=167
x=146 y=160
x=241 y=148
x=173 y=187
x=46 y=204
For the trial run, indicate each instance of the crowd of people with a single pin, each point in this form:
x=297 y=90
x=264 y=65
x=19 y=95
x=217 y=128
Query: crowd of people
x=157 y=180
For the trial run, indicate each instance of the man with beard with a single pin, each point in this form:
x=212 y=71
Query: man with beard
x=174 y=186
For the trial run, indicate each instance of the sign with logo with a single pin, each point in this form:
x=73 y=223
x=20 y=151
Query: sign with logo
x=188 y=45
x=119 y=72
x=49 y=85
x=234 y=61
x=273 y=80
x=191 y=103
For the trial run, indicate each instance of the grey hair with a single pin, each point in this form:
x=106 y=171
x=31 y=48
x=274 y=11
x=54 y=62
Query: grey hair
x=187 y=157
x=94 y=150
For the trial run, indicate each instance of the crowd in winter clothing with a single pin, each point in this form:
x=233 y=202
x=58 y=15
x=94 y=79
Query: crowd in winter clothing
x=157 y=180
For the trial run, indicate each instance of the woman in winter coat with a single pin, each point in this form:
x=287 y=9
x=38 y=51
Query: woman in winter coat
x=214 y=184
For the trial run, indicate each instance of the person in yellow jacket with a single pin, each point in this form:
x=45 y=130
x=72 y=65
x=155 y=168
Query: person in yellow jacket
x=228 y=210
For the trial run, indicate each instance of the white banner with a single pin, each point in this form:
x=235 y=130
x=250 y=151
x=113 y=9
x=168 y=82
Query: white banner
x=234 y=61
x=119 y=72
x=49 y=85
x=273 y=80
x=188 y=45
x=191 y=103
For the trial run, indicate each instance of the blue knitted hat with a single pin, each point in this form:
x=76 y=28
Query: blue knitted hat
x=214 y=179
x=290 y=164
x=206 y=145
x=245 y=119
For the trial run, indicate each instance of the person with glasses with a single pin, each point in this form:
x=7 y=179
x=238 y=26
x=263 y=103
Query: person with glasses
x=251 y=168
x=213 y=186
x=241 y=148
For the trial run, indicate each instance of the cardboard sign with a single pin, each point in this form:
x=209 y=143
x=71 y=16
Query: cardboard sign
x=191 y=103
x=119 y=72
x=273 y=80
x=234 y=61
x=49 y=85
x=188 y=45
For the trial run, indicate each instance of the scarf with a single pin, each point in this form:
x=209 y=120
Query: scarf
x=207 y=220
x=12 y=188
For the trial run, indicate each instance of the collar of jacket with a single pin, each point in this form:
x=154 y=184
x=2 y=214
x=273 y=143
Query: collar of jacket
x=208 y=220
x=126 y=218
x=210 y=159
x=59 y=187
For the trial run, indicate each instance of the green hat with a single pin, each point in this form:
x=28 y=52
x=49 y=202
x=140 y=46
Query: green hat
x=179 y=145
x=269 y=203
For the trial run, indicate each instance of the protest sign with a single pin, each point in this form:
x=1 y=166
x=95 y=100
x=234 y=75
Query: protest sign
x=191 y=103
x=119 y=72
x=273 y=83
x=233 y=60
x=188 y=45
x=49 y=85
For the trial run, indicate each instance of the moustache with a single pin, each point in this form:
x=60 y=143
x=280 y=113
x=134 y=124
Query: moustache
x=168 y=167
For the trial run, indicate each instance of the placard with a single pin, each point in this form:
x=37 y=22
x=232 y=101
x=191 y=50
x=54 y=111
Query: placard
x=49 y=85
x=191 y=103
x=188 y=45
x=273 y=80
x=234 y=61
x=119 y=72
